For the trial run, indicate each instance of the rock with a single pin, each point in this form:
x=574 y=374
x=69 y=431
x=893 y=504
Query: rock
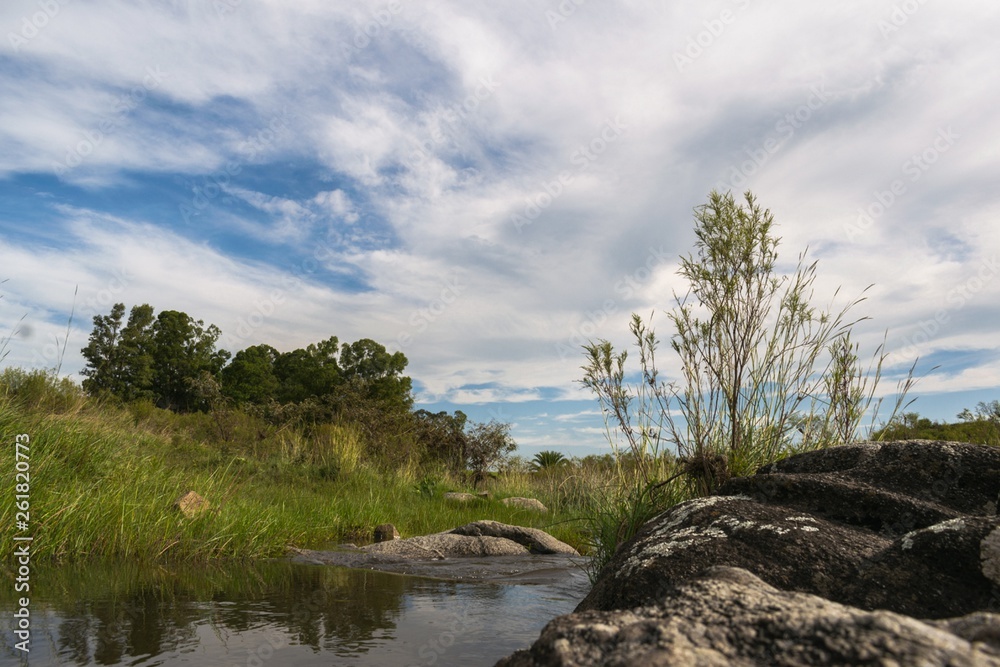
x=728 y=616
x=447 y=545
x=385 y=532
x=535 y=540
x=896 y=526
x=191 y=505
x=459 y=497
x=906 y=528
x=526 y=503
x=477 y=539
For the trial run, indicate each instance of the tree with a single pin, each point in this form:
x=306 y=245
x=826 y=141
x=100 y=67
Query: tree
x=369 y=365
x=310 y=372
x=119 y=359
x=183 y=348
x=249 y=377
x=488 y=445
x=442 y=436
x=989 y=412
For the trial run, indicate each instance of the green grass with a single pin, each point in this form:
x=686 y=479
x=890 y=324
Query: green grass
x=104 y=481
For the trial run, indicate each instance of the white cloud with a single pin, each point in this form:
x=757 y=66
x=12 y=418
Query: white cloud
x=429 y=136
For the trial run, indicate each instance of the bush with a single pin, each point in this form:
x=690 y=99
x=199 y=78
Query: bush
x=762 y=371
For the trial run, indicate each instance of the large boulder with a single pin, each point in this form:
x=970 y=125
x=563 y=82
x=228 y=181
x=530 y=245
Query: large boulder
x=729 y=617
x=907 y=527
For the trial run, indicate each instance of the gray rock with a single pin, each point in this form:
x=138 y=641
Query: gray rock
x=446 y=545
x=537 y=541
x=828 y=557
x=896 y=526
x=526 y=503
x=730 y=617
x=460 y=497
x=481 y=539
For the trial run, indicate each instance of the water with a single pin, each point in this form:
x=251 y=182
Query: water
x=281 y=613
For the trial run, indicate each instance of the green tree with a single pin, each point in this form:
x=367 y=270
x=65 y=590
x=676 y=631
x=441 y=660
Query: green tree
x=312 y=372
x=442 y=436
x=249 y=377
x=369 y=365
x=182 y=349
x=119 y=358
x=487 y=447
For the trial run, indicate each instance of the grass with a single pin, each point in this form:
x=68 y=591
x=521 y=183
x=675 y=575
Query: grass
x=104 y=481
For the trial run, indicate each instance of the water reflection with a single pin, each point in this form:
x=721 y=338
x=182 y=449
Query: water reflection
x=277 y=613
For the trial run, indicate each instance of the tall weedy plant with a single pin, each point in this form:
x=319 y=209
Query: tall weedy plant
x=762 y=370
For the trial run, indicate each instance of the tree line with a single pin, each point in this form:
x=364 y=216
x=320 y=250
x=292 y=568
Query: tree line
x=172 y=360
x=980 y=425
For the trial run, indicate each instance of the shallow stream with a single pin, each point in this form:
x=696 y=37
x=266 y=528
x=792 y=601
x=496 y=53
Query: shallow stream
x=282 y=613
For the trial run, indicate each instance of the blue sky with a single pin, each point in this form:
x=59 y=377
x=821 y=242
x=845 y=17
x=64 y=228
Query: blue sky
x=487 y=186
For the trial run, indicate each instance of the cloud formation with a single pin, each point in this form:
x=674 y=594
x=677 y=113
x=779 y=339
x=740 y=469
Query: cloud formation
x=487 y=187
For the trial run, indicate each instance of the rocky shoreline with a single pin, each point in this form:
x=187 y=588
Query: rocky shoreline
x=875 y=553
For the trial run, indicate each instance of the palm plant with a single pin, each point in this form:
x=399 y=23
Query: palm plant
x=547 y=460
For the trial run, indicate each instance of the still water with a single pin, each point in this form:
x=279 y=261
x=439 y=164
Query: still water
x=281 y=613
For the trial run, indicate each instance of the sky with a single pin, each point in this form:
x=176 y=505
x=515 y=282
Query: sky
x=488 y=186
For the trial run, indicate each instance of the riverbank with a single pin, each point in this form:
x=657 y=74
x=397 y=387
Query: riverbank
x=105 y=480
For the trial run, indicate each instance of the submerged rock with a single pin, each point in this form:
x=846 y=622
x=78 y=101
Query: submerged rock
x=480 y=539
x=848 y=545
x=536 y=541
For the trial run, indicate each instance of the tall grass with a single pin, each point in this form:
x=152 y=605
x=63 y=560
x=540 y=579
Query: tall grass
x=105 y=478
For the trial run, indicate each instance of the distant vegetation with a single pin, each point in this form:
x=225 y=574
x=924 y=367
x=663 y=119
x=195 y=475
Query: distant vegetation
x=305 y=448
x=170 y=361
x=105 y=476
x=981 y=426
